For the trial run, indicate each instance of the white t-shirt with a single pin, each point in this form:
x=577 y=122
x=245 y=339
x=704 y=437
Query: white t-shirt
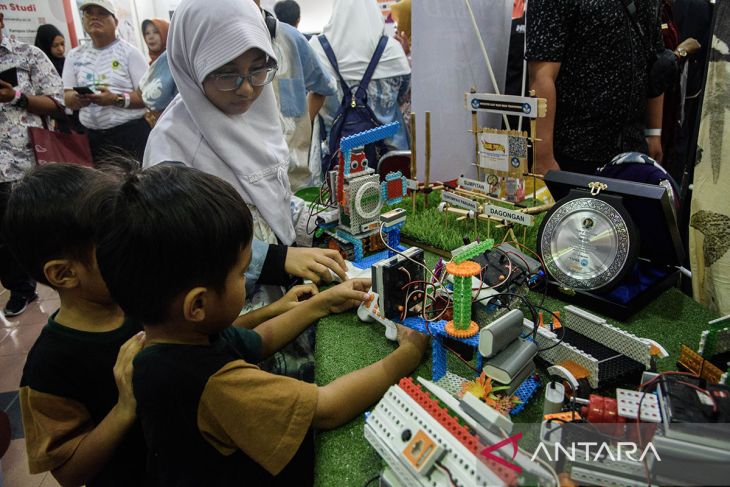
x=118 y=67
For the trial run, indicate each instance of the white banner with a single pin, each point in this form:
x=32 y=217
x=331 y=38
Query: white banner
x=460 y=201
x=511 y=216
x=447 y=62
x=23 y=17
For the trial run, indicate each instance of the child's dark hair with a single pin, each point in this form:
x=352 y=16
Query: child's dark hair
x=166 y=230
x=44 y=220
x=288 y=11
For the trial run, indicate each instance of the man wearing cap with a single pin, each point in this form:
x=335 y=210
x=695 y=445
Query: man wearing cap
x=112 y=68
x=28 y=81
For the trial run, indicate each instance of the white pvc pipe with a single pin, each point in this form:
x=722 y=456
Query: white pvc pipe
x=524 y=67
x=486 y=56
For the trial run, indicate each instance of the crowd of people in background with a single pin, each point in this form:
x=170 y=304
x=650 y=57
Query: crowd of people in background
x=599 y=103
x=231 y=115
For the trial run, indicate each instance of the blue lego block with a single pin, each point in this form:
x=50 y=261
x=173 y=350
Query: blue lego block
x=416 y=323
x=435 y=329
x=356 y=242
x=364 y=138
x=368 y=137
x=393 y=228
x=525 y=392
x=367 y=262
x=393 y=233
x=439 y=362
x=393 y=240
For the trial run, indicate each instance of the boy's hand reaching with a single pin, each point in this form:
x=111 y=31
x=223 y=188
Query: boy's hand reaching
x=413 y=341
x=315 y=264
x=123 y=369
x=346 y=295
x=294 y=296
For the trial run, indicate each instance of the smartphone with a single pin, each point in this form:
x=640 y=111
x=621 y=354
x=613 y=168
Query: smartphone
x=10 y=76
x=83 y=90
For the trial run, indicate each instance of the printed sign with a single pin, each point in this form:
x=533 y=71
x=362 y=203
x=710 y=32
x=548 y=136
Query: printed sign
x=23 y=17
x=473 y=184
x=494 y=151
x=511 y=216
x=460 y=201
x=412 y=184
x=502 y=104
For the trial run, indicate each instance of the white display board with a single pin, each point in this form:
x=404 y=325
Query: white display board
x=448 y=62
x=23 y=17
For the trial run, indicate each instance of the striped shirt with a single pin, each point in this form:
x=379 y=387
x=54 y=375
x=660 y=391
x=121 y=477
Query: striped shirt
x=117 y=67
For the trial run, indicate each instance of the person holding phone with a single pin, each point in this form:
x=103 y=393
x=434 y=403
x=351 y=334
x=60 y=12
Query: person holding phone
x=25 y=90
x=110 y=68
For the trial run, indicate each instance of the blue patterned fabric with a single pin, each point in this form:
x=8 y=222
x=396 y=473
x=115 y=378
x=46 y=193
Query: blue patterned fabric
x=157 y=86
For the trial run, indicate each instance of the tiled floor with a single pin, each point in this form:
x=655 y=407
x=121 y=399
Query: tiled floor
x=17 y=335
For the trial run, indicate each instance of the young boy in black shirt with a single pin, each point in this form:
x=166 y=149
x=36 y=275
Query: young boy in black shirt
x=75 y=393
x=173 y=249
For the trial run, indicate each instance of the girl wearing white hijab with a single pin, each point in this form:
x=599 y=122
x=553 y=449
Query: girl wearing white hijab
x=353 y=31
x=226 y=124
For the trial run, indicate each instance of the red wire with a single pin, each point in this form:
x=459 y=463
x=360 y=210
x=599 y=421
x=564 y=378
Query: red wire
x=542 y=262
x=408 y=284
x=704 y=391
x=527 y=266
x=662 y=374
x=638 y=413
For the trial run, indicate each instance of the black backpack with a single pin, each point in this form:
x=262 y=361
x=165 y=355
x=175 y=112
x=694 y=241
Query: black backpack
x=354 y=115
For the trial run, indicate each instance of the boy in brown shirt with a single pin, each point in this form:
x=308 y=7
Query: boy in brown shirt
x=174 y=249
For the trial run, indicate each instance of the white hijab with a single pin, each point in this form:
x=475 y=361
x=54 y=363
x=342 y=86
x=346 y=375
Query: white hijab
x=353 y=31
x=248 y=150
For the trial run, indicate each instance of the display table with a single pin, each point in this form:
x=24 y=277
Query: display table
x=344 y=344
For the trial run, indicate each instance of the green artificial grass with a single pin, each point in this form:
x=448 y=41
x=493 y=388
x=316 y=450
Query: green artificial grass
x=344 y=344
x=430 y=227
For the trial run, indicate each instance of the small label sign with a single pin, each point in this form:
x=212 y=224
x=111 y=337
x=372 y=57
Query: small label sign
x=473 y=184
x=412 y=184
x=511 y=216
x=506 y=104
x=460 y=201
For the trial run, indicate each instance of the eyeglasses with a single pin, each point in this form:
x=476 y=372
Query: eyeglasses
x=233 y=81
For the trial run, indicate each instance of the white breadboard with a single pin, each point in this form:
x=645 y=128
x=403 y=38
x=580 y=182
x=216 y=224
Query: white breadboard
x=628 y=405
x=397 y=412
